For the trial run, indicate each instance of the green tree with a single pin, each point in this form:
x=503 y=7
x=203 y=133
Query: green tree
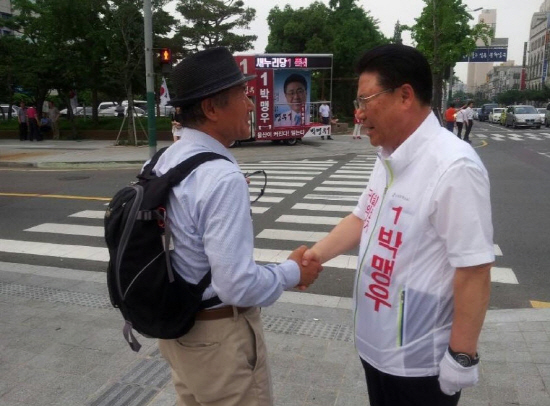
x=343 y=29
x=443 y=34
x=397 y=34
x=210 y=23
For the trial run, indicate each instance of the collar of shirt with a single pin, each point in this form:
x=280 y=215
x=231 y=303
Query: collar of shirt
x=412 y=147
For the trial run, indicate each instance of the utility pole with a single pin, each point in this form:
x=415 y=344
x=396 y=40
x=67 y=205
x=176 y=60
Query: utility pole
x=149 y=76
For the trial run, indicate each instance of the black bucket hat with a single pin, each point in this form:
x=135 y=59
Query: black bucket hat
x=204 y=74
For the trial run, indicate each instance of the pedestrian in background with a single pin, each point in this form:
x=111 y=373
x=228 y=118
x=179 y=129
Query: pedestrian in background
x=450 y=117
x=177 y=128
x=324 y=113
x=34 y=123
x=460 y=119
x=23 y=121
x=425 y=237
x=222 y=360
x=469 y=121
x=53 y=114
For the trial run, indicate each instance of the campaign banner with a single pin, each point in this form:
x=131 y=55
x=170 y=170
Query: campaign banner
x=293 y=61
x=264 y=103
x=247 y=67
x=291 y=98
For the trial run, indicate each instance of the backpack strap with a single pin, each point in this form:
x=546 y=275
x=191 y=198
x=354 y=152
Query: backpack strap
x=183 y=169
x=201 y=286
x=147 y=172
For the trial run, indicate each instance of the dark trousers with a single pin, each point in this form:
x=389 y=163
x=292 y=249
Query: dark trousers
x=390 y=390
x=450 y=125
x=459 y=126
x=469 y=126
x=34 y=133
x=23 y=131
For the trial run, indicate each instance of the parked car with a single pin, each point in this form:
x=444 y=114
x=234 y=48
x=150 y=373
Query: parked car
x=523 y=116
x=485 y=110
x=5 y=110
x=494 y=116
x=120 y=111
x=65 y=113
x=476 y=112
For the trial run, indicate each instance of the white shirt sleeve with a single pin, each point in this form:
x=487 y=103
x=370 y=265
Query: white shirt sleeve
x=461 y=214
x=229 y=245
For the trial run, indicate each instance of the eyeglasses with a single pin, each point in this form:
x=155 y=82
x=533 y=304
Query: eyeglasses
x=362 y=101
x=300 y=92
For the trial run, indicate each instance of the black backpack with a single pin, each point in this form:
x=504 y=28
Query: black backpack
x=153 y=299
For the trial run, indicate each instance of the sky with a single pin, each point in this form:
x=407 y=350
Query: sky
x=513 y=20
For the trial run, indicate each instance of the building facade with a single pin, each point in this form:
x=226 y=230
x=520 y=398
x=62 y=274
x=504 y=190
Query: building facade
x=5 y=13
x=502 y=78
x=477 y=71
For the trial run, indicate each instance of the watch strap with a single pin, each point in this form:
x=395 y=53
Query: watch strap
x=460 y=357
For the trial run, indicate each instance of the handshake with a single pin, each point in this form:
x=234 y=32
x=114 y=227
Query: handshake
x=309 y=263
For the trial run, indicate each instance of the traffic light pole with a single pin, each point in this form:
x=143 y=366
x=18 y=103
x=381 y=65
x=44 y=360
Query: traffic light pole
x=149 y=76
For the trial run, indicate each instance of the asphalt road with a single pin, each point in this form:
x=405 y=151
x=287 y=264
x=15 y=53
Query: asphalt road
x=518 y=162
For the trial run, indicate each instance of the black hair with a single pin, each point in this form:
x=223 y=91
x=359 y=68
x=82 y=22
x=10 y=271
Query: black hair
x=451 y=105
x=397 y=65
x=295 y=77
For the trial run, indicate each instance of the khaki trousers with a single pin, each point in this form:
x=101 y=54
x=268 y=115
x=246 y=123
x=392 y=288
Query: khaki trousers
x=221 y=363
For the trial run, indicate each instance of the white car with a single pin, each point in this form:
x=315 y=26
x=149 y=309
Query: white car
x=494 y=115
x=5 y=109
x=116 y=111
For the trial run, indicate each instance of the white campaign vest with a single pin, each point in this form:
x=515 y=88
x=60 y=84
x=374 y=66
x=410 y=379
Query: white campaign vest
x=403 y=288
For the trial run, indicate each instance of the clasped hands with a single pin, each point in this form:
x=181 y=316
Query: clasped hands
x=309 y=263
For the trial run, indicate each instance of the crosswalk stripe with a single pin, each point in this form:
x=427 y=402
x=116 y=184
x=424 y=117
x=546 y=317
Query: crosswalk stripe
x=341 y=171
x=288 y=218
x=279 y=172
x=343 y=182
x=291 y=235
x=366 y=177
x=90 y=214
x=340 y=189
x=289 y=184
x=55 y=250
x=515 y=137
x=270 y=199
x=272 y=190
x=69 y=229
x=348 y=198
x=271 y=177
x=304 y=161
x=259 y=210
x=498 y=251
x=322 y=207
x=498 y=137
x=503 y=275
x=266 y=168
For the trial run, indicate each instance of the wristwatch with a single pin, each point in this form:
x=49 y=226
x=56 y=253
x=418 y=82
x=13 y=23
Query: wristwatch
x=464 y=359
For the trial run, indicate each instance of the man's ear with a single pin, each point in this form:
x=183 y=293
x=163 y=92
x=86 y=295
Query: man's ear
x=209 y=109
x=408 y=95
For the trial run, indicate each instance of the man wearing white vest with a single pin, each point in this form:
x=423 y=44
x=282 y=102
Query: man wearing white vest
x=425 y=236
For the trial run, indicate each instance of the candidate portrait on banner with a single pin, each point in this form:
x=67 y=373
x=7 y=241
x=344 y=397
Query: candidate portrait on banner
x=291 y=98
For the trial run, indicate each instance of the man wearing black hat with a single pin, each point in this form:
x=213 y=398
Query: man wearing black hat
x=222 y=360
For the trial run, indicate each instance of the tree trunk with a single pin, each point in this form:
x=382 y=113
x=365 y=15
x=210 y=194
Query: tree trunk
x=95 y=103
x=437 y=93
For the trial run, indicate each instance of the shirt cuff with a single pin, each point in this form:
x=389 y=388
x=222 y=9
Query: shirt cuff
x=475 y=259
x=290 y=272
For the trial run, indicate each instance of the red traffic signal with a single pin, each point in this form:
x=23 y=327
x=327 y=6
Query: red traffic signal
x=166 y=55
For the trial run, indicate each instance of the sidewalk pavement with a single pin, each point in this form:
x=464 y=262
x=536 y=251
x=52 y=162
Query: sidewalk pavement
x=61 y=342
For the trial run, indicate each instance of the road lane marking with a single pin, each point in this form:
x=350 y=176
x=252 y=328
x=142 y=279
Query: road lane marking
x=55 y=196
x=503 y=275
x=322 y=207
x=540 y=305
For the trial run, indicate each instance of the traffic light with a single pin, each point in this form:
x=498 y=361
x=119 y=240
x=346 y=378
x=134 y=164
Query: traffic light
x=165 y=56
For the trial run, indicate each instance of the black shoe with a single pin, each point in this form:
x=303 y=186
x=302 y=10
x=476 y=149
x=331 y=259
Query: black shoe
x=322 y=137
x=329 y=138
x=468 y=141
